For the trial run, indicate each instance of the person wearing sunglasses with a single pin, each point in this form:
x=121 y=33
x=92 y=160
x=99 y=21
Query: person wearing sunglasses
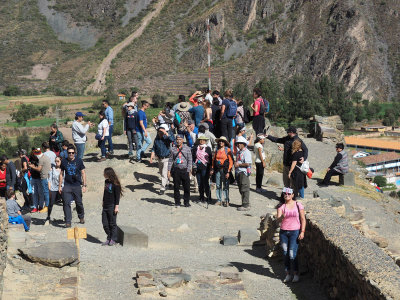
x=73 y=175
x=293 y=227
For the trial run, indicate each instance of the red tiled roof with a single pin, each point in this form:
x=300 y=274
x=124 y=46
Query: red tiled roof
x=372 y=143
x=379 y=158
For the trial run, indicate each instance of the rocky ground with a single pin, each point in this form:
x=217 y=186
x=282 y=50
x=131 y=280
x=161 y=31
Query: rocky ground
x=189 y=237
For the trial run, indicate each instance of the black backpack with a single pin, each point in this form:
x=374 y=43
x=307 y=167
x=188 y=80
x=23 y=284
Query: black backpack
x=246 y=116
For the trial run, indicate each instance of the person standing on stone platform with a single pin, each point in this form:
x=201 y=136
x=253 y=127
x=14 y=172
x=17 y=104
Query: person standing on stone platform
x=112 y=194
x=293 y=227
x=180 y=166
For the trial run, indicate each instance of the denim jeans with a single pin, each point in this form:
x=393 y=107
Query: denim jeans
x=109 y=138
x=80 y=150
x=141 y=148
x=20 y=220
x=301 y=192
x=203 y=175
x=45 y=189
x=222 y=184
x=290 y=245
x=72 y=193
x=102 y=146
x=37 y=192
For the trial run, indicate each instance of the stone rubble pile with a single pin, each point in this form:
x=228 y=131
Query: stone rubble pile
x=167 y=280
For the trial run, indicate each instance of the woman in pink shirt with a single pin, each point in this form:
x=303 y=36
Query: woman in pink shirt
x=293 y=226
x=258 y=118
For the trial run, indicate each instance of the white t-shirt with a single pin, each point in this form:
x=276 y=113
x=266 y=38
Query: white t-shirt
x=209 y=98
x=103 y=125
x=52 y=156
x=256 y=147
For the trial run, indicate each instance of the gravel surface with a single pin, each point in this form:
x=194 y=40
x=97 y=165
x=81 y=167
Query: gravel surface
x=107 y=272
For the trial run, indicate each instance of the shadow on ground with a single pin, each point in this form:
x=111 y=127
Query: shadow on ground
x=306 y=289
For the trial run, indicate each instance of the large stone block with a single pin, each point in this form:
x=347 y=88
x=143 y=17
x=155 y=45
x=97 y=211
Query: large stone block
x=347 y=179
x=55 y=254
x=228 y=240
x=131 y=236
x=247 y=236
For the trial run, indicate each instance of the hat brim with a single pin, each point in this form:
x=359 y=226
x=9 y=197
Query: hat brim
x=222 y=140
x=180 y=108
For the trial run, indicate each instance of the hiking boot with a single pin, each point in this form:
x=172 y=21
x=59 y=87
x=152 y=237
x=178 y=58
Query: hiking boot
x=101 y=159
x=112 y=243
x=161 y=192
x=130 y=153
x=260 y=190
x=67 y=225
x=44 y=209
x=35 y=210
x=296 y=278
x=243 y=208
x=227 y=204
x=218 y=203
x=177 y=204
x=106 y=243
x=223 y=203
x=82 y=221
x=187 y=205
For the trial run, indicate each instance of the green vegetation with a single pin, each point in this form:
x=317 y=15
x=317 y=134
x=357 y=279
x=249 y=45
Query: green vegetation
x=380 y=181
x=28 y=111
x=23 y=142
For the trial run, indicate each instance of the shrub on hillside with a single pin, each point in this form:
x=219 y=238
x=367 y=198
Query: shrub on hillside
x=28 y=111
x=12 y=90
x=380 y=181
x=158 y=100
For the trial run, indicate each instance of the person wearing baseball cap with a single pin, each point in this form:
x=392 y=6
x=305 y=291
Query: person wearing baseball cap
x=161 y=150
x=287 y=142
x=243 y=171
x=79 y=133
x=291 y=214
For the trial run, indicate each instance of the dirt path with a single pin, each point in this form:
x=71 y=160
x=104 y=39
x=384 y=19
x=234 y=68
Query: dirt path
x=101 y=72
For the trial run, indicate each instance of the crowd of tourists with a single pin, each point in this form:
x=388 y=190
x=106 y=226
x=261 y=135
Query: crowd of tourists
x=203 y=140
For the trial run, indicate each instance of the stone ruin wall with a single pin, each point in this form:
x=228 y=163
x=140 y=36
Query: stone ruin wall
x=345 y=263
x=3 y=240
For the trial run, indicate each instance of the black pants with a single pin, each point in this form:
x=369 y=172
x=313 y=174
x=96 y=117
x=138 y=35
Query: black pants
x=226 y=128
x=109 y=220
x=258 y=124
x=54 y=196
x=72 y=193
x=259 y=174
x=329 y=174
x=203 y=176
x=181 y=176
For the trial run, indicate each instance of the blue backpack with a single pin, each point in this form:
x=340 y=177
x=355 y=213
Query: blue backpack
x=232 y=109
x=264 y=107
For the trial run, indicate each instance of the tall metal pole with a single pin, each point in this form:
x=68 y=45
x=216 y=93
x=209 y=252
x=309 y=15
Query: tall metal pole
x=209 y=53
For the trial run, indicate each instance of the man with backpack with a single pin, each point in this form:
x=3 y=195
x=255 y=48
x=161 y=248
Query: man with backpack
x=182 y=120
x=260 y=107
x=228 y=112
x=180 y=166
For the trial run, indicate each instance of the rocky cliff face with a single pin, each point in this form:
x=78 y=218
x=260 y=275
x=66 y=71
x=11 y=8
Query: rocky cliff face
x=356 y=42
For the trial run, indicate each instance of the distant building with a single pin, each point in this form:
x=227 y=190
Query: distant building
x=365 y=144
x=376 y=128
x=121 y=97
x=386 y=163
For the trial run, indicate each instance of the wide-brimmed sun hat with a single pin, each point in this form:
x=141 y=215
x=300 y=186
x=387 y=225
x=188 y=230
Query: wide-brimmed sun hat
x=183 y=106
x=241 y=140
x=223 y=139
x=203 y=137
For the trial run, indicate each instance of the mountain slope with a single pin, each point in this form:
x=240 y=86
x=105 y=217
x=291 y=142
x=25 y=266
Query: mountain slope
x=356 y=42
